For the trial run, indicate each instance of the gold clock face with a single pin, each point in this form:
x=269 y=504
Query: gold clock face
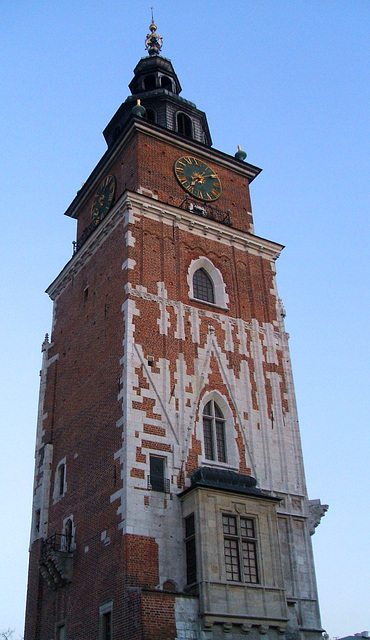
x=197 y=178
x=103 y=197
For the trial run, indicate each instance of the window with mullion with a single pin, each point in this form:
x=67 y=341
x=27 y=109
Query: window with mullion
x=240 y=549
x=214 y=433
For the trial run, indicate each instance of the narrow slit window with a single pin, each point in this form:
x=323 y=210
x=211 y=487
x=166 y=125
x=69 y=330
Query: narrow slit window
x=68 y=534
x=191 y=559
x=61 y=479
x=107 y=625
x=106 y=621
x=61 y=632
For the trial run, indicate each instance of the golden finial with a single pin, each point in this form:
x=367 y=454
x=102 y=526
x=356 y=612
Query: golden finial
x=153 y=41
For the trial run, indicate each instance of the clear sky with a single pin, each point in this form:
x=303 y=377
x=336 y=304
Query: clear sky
x=289 y=81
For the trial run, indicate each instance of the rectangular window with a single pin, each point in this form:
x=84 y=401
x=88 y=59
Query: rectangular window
x=191 y=558
x=107 y=626
x=156 y=480
x=240 y=549
x=106 y=621
x=61 y=632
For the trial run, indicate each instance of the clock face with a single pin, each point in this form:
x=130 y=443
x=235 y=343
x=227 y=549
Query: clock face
x=103 y=197
x=197 y=178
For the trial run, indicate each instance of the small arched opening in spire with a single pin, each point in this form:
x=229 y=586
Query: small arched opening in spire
x=184 y=125
x=149 y=83
x=166 y=83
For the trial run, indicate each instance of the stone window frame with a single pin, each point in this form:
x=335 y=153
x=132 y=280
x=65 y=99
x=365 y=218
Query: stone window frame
x=232 y=453
x=219 y=288
x=61 y=468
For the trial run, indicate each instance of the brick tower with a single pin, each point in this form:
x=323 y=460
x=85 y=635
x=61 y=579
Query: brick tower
x=169 y=498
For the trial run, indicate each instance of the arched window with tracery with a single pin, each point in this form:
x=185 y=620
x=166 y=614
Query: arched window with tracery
x=203 y=286
x=214 y=432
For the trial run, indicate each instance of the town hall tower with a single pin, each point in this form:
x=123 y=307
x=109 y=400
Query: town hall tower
x=169 y=497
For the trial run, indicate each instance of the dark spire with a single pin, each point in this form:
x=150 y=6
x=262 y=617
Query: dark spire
x=155 y=97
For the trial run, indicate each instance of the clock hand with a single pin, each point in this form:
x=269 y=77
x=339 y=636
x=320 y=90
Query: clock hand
x=201 y=177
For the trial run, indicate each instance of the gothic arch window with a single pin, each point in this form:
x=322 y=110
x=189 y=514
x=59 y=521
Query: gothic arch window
x=203 y=286
x=217 y=431
x=60 y=480
x=214 y=435
x=149 y=83
x=184 y=125
x=198 y=286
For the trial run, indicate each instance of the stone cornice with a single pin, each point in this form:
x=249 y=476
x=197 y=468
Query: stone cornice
x=138 y=205
x=200 y=225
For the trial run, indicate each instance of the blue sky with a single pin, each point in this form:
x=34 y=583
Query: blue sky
x=289 y=81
